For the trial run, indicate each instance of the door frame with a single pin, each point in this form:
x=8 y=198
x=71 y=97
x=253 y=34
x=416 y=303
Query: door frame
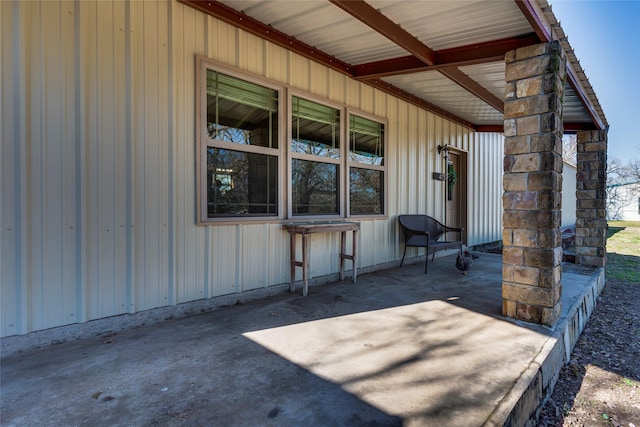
x=463 y=196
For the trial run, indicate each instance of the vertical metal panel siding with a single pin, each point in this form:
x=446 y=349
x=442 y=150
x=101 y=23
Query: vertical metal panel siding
x=569 y=202
x=485 y=188
x=98 y=155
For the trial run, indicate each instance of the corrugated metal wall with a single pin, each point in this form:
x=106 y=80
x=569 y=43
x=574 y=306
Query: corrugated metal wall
x=569 y=202
x=98 y=163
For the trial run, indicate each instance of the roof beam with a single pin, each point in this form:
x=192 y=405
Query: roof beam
x=383 y=25
x=534 y=15
x=474 y=87
x=479 y=53
x=366 y=14
x=255 y=27
x=577 y=127
x=490 y=128
x=568 y=127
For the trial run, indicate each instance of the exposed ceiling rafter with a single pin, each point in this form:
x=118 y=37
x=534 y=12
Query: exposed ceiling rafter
x=568 y=127
x=474 y=87
x=255 y=27
x=479 y=53
x=368 y=15
x=383 y=25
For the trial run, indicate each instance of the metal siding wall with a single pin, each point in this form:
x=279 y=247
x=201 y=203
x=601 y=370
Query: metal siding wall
x=192 y=246
x=13 y=127
x=485 y=188
x=569 y=201
x=98 y=155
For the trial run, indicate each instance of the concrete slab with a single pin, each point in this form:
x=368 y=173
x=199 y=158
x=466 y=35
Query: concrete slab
x=397 y=348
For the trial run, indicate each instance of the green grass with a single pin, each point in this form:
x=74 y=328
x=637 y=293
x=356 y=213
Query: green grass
x=624 y=223
x=623 y=251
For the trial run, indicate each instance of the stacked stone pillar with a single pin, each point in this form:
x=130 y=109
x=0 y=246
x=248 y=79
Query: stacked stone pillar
x=532 y=241
x=591 y=181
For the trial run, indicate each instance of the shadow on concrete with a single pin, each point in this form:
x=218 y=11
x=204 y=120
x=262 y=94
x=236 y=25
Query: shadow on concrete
x=397 y=348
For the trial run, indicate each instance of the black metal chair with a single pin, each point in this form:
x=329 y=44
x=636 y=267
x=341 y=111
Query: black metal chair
x=423 y=231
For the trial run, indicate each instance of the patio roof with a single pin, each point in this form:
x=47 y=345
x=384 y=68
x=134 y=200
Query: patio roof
x=447 y=57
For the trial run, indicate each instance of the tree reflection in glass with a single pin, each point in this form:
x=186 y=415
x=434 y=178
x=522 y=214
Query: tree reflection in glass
x=366 y=191
x=240 y=183
x=314 y=188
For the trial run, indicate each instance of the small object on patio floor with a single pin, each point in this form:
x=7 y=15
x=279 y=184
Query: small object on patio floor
x=464 y=261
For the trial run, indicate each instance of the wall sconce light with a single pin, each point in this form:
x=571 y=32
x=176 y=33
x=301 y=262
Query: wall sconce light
x=442 y=148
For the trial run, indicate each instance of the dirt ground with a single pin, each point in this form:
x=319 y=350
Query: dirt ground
x=600 y=386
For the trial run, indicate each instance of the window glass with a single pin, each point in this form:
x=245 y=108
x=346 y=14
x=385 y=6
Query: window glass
x=243 y=166
x=240 y=183
x=366 y=141
x=366 y=191
x=314 y=188
x=366 y=172
x=241 y=112
x=315 y=128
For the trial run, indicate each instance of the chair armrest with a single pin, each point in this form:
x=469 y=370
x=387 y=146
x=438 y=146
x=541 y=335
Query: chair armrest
x=453 y=229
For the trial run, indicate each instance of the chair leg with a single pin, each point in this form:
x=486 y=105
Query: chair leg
x=426 y=260
x=403 y=254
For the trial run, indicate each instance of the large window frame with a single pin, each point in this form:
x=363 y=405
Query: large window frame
x=353 y=163
x=295 y=156
x=206 y=143
x=286 y=157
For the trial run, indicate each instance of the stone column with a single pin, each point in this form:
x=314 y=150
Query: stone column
x=532 y=252
x=591 y=215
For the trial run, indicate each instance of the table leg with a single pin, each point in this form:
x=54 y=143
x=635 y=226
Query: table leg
x=305 y=264
x=354 y=259
x=292 y=265
x=343 y=244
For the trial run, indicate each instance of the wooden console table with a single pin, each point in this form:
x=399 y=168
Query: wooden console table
x=306 y=228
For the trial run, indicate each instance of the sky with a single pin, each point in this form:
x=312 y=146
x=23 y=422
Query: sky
x=605 y=36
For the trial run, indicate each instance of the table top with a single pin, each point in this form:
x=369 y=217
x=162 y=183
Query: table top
x=321 y=226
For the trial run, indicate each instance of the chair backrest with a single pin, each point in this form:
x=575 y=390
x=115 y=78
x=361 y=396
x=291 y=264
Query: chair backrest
x=418 y=224
x=435 y=228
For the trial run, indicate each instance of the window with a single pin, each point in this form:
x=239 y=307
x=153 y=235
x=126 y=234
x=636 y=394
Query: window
x=315 y=158
x=366 y=166
x=242 y=150
x=331 y=167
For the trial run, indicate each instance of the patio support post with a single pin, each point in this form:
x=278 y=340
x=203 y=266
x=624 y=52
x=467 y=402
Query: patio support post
x=591 y=182
x=532 y=240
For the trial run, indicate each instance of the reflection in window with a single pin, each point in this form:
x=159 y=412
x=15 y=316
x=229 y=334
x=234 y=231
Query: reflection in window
x=366 y=173
x=366 y=191
x=241 y=112
x=314 y=188
x=366 y=141
x=240 y=183
x=315 y=128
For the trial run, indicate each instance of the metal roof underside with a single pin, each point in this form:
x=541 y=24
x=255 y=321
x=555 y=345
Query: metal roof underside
x=445 y=56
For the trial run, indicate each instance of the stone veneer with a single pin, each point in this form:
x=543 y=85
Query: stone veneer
x=532 y=182
x=591 y=215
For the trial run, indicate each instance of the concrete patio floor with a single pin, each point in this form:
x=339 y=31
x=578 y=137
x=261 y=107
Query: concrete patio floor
x=397 y=348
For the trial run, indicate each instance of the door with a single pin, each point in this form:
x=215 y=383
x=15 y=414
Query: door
x=456 y=193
